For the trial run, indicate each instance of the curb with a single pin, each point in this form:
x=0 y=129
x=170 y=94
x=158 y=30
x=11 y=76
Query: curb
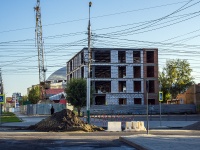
x=133 y=144
x=19 y=127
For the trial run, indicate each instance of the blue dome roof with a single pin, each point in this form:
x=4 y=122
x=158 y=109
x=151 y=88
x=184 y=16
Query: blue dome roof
x=60 y=74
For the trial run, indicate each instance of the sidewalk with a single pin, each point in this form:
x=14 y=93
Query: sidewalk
x=166 y=139
x=162 y=142
x=26 y=121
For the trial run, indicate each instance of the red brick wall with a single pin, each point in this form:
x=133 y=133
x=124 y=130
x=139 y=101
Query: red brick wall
x=155 y=78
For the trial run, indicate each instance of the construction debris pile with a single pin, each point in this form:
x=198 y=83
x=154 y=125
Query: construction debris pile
x=64 y=120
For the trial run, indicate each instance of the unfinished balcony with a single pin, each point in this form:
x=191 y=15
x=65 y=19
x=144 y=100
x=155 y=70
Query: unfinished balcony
x=136 y=57
x=122 y=86
x=102 y=87
x=122 y=56
x=102 y=56
x=136 y=72
x=102 y=72
x=122 y=72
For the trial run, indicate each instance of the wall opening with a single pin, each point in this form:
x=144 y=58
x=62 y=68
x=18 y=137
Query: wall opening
x=100 y=100
x=103 y=86
x=102 y=71
x=122 y=101
x=137 y=86
x=122 y=56
x=150 y=71
x=82 y=72
x=137 y=101
x=151 y=101
x=151 y=86
x=102 y=56
x=150 y=56
x=70 y=66
x=137 y=71
x=82 y=58
x=122 y=86
x=121 y=71
x=136 y=57
x=71 y=76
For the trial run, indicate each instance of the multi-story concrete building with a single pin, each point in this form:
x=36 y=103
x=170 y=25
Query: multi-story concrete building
x=118 y=76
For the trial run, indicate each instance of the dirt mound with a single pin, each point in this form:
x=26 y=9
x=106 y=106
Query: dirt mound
x=195 y=126
x=64 y=120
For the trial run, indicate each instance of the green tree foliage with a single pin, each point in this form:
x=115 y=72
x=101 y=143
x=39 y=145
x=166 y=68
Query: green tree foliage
x=23 y=99
x=34 y=95
x=175 y=78
x=76 y=93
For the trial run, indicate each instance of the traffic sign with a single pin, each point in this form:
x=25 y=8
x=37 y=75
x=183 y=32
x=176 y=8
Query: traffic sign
x=2 y=98
x=160 y=96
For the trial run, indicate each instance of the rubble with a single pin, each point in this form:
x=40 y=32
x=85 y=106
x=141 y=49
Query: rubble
x=64 y=120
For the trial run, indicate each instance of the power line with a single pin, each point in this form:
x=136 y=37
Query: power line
x=118 y=13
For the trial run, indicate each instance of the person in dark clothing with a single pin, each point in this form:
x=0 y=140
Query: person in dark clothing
x=52 y=110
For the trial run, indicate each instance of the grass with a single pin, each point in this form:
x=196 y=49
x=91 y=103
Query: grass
x=9 y=117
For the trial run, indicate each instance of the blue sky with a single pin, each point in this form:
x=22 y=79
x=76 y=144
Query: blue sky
x=171 y=26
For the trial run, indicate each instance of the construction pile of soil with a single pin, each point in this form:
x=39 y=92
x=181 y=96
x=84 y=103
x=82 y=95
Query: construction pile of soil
x=64 y=120
x=195 y=126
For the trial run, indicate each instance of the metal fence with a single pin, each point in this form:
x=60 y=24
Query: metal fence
x=141 y=109
x=40 y=109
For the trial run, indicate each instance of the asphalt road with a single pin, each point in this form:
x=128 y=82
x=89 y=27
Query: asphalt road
x=20 y=139
x=11 y=139
x=14 y=140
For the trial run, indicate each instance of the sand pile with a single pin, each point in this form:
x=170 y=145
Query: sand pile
x=64 y=120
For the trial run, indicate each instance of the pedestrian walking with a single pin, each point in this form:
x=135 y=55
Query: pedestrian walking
x=52 y=110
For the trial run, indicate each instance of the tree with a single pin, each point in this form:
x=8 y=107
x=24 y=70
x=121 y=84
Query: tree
x=76 y=93
x=164 y=86
x=23 y=99
x=175 y=78
x=34 y=95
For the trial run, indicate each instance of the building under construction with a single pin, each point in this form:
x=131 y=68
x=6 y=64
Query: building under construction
x=118 y=76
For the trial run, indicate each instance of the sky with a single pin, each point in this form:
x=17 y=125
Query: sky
x=172 y=26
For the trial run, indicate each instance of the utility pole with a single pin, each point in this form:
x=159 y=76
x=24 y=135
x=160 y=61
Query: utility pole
x=39 y=43
x=89 y=61
x=1 y=93
x=1 y=83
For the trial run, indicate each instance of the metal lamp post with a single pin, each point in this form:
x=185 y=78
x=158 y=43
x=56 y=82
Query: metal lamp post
x=160 y=100
x=147 y=89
